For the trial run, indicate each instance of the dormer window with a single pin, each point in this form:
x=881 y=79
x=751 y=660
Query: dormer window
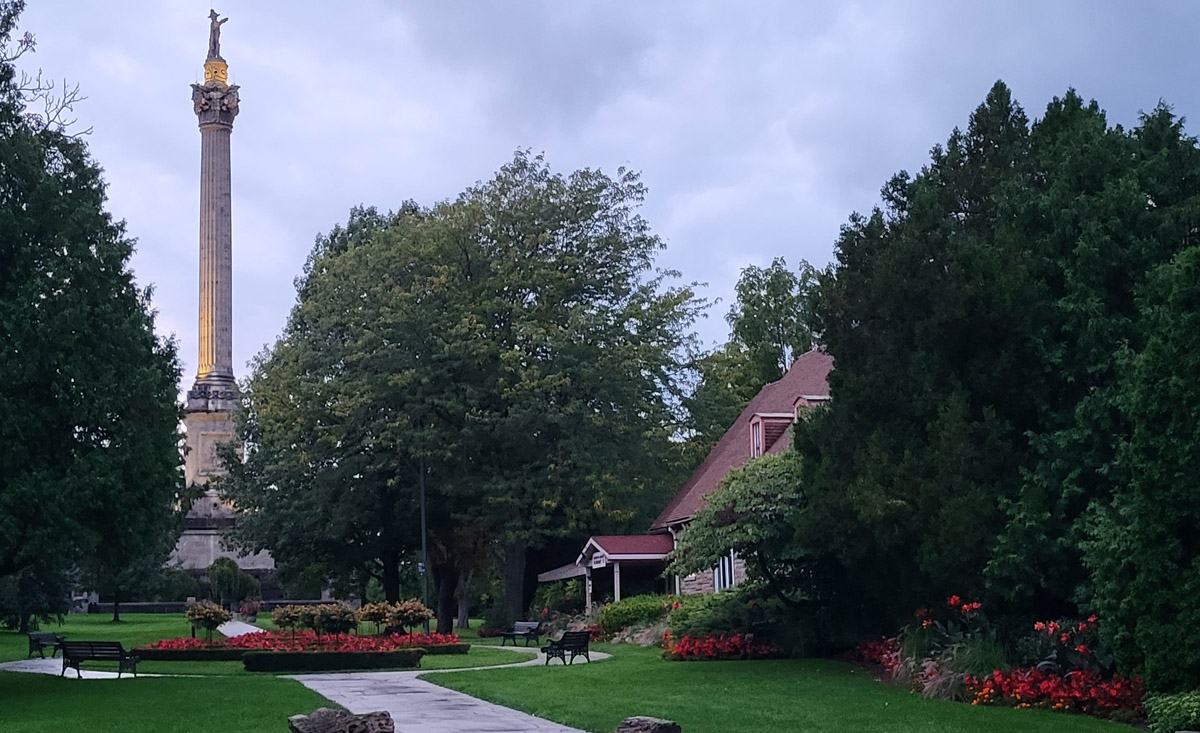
x=756 y=438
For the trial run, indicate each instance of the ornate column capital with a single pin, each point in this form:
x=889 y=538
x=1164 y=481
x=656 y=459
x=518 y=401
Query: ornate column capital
x=215 y=104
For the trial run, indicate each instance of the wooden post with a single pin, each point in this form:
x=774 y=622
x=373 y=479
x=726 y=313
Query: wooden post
x=616 y=582
x=587 y=588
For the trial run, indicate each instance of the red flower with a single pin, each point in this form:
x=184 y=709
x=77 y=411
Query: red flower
x=1039 y=626
x=953 y=601
x=1092 y=619
x=1082 y=649
x=1064 y=638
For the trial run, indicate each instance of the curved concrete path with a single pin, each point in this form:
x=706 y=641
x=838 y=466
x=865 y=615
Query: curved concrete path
x=54 y=667
x=418 y=706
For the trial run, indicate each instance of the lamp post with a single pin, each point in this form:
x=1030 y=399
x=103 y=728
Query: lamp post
x=424 y=540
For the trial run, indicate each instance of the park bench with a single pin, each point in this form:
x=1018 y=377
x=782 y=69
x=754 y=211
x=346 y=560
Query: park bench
x=525 y=629
x=573 y=642
x=75 y=653
x=40 y=641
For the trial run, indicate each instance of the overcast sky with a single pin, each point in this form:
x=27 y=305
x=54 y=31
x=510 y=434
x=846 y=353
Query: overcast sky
x=758 y=126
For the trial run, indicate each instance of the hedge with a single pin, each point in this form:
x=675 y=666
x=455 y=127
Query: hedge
x=189 y=655
x=323 y=661
x=446 y=648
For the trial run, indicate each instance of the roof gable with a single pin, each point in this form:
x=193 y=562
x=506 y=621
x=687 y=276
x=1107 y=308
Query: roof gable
x=808 y=377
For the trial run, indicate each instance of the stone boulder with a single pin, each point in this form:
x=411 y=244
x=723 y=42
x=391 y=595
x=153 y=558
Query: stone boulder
x=642 y=724
x=325 y=720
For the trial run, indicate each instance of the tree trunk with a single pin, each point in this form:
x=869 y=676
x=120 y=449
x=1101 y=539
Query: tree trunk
x=464 y=600
x=391 y=576
x=446 y=577
x=389 y=554
x=514 y=580
x=117 y=607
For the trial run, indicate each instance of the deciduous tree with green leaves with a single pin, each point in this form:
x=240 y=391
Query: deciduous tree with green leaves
x=89 y=457
x=516 y=343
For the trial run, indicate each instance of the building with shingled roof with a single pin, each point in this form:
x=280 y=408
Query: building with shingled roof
x=762 y=427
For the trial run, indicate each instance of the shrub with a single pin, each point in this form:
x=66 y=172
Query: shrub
x=320 y=661
x=561 y=597
x=496 y=620
x=633 y=611
x=457 y=648
x=249 y=607
x=286 y=617
x=736 y=611
x=1169 y=713
x=201 y=654
x=376 y=613
x=229 y=582
x=334 y=618
x=306 y=617
x=408 y=614
x=207 y=615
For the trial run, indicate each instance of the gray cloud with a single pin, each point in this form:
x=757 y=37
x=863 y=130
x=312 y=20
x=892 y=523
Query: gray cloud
x=758 y=126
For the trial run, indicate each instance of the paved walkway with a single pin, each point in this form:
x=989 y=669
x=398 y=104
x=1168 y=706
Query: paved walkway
x=54 y=667
x=237 y=628
x=418 y=706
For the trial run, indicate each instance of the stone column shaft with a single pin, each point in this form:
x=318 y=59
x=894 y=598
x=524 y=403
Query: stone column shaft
x=216 y=254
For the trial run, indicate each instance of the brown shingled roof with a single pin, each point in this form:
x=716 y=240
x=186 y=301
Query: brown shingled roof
x=634 y=544
x=808 y=376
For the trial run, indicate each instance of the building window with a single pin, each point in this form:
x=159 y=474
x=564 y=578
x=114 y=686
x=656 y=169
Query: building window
x=723 y=573
x=756 y=439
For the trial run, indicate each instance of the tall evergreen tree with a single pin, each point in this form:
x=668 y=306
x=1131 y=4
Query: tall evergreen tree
x=928 y=319
x=1143 y=548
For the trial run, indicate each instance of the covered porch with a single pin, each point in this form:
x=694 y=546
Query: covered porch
x=642 y=557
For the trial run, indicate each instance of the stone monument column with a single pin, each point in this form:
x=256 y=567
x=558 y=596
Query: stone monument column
x=212 y=398
x=208 y=416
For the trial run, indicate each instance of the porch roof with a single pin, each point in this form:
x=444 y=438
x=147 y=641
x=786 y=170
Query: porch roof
x=626 y=547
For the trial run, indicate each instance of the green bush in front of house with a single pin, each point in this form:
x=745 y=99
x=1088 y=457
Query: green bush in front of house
x=633 y=611
x=1169 y=713
x=736 y=611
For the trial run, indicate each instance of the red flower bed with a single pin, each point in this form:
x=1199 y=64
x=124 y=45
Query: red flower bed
x=724 y=646
x=1080 y=691
x=303 y=641
x=884 y=654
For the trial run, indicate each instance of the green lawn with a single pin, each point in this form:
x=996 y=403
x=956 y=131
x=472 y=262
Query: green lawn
x=139 y=629
x=135 y=629
x=809 y=695
x=35 y=703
